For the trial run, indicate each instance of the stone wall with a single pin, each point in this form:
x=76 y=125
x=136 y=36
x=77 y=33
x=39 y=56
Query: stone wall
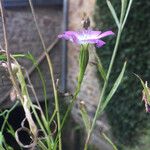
x=23 y=38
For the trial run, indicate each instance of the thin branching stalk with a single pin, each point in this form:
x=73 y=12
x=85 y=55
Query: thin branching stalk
x=109 y=141
x=51 y=73
x=127 y=13
x=83 y=61
x=123 y=17
x=70 y=106
x=39 y=107
x=43 y=44
x=34 y=93
x=12 y=75
x=7 y=115
x=103 y=89
x=25 y=92
x=69 y=109
x=41 y=144
x=13 y=79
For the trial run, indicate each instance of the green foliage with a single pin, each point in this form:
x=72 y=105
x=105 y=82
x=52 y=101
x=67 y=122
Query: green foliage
x=125 y=111
x=85 y=116
x=114 y=88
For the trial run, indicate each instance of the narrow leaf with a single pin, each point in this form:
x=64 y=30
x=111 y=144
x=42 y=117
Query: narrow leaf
x=85 y=116
x=4 y=58
x=127 y=13
x=123 y=8
x=83 y=61
x=113 y=12
x=100 y=67
x=1 y=138
x=114 y=88
x=109 y=141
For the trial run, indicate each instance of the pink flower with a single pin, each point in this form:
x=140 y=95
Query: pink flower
x=86 y=37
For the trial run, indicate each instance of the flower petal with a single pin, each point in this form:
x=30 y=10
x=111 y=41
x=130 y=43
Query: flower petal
x=104 y=34
x=100 y=43
x=69 y=35
x=86 y=36
x=94 y=33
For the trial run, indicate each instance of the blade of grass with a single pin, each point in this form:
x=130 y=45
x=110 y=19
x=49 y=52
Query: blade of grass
x=51 y=73
x=52 y=117
x=127 y=13
x=109 y=141
x=85 y=116
x=7 y=115
x=113 y=12
x=114 y=88
x=100 y=67
x=123 y=10
x=4 y=58
x=31 y=57
x=1 y=139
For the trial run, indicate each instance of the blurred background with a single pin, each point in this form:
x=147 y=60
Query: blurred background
x=125 y=120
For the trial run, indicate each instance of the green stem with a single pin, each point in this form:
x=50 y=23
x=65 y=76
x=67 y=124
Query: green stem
x=104 y=88
x=42 y=41
x=25 y=92
x=41 y=144
x=56 y=102
x=109 y=141
x=6 y=117
x=30 y=57
x=2 y=148
x=51 y=73
x=69 y=109
x=83 y=61
x=41 y=126
x=71 y=105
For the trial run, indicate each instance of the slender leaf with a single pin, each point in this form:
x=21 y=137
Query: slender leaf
x=52 y=116
x=113 y=12
x=1 y=138
x=109 y=141
x=85 y=116
x=4 y=58
x=123 y=9
x=83 y=61
x=127 y=13
x=35 y=63
x=114 y=88
x=100 y=67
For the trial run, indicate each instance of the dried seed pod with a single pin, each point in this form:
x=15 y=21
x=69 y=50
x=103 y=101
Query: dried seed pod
x=85 y=21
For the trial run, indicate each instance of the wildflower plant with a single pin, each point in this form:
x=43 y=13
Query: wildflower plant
x=84 y=38
x=87 y=36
